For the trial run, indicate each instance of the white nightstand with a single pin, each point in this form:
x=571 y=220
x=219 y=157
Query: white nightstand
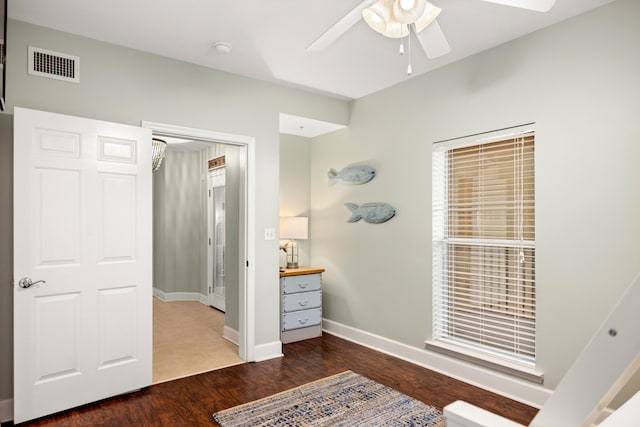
x=300 y=303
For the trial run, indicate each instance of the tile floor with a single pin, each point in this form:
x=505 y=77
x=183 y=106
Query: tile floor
x=187 y=340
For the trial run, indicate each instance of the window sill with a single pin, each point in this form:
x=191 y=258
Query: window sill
x=493 y=362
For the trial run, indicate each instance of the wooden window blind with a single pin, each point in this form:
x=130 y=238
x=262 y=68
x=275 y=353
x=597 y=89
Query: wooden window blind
x=484 y=245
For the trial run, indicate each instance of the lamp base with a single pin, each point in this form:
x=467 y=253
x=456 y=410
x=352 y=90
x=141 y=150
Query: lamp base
x=292 y=254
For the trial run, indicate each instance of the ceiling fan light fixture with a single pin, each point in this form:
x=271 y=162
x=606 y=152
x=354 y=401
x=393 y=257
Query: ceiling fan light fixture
x=431 y=12
x=408 y=11
x=378 y=15
x=396 y=30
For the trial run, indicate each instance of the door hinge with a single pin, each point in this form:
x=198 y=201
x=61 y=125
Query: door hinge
x=209 y=193
x=209 y=241
x=247 y=263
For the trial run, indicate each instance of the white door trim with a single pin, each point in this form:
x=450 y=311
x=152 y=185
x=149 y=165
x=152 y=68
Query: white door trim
x=247 y=203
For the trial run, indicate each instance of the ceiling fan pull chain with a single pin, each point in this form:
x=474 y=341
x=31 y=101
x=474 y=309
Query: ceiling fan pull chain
x=409 y=46
x=401 y=48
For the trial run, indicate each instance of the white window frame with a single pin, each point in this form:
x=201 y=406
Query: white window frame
x=523 y=367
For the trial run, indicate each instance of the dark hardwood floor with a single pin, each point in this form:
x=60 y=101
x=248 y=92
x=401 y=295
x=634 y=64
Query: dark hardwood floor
x=192 y=401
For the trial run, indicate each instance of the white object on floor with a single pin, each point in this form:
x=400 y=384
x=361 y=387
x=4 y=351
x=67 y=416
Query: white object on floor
x=463 y=414
x=613 y=352
x=628 y=415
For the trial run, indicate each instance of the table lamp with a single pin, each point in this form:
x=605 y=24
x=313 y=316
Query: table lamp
x=291 y=228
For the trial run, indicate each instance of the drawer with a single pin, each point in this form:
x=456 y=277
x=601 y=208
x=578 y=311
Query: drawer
x=301 y=319
x=301 y=301
x=302 y=283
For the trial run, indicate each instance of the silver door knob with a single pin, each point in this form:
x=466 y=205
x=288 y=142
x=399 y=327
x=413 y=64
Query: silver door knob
x=26 y=282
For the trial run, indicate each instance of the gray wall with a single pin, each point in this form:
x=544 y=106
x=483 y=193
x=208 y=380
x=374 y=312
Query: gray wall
x=180 y=227
x=578 y=81
x=128 y=86
x=295 y=182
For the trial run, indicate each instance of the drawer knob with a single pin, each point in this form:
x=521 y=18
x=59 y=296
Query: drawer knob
x=303 y=321
x=303 y=303
x=303 y=285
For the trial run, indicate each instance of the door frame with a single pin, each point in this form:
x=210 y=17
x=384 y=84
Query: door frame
x=247 y=222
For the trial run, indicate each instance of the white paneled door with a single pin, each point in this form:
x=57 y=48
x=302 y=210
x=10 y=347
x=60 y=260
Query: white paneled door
x=82 y=261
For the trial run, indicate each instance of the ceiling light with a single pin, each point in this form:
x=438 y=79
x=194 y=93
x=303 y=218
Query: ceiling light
x=393 y=18
x=408 y=11
x=396 y=30
x=157 y=153
x=378 y=15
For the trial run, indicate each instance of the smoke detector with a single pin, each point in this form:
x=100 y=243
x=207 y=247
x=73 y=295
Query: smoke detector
x=222 y=48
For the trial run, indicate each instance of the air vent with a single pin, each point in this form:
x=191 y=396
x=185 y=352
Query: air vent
x=55 y=65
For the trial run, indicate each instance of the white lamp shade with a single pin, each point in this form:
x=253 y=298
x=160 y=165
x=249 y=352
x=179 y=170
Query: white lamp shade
x=378 y=15
x=431 y=12
x=294 y=227
x=380 y=18
x=408 y=11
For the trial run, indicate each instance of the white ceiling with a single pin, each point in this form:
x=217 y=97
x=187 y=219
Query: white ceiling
x=181 y=144
x=302 y=126
x=269 y=37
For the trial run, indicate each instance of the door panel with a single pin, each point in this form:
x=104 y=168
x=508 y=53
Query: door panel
x=82 y=223
x=57 y=335
x=117 y=226
x=57 y=236
x=117 y=321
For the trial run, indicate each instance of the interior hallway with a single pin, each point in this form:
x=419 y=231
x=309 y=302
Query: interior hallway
x=187 y=340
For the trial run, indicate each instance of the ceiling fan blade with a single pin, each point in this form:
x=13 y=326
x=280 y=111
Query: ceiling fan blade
x=537 y=5
x=433 y=41
x=339 y=28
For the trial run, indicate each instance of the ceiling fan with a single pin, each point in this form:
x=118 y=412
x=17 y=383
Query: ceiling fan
x=397 y=18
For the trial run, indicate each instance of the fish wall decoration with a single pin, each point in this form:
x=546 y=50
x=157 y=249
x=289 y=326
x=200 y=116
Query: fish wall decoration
x=353 y=175
x=373 y=213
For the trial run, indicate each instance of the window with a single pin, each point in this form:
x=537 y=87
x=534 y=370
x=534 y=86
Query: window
x=484 y=247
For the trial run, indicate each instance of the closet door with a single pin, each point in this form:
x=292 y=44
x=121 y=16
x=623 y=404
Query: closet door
x=217 y=238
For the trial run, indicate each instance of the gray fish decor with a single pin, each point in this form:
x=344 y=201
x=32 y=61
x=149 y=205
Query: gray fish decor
x=373 y=213
x=352 y=175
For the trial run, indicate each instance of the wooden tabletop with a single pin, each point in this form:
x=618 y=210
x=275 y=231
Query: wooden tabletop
x=300 y=270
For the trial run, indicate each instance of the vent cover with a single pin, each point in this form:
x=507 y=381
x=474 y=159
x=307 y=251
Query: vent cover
x=54 y=65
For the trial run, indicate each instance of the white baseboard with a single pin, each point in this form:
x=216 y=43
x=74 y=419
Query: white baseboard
x=231 y=335
x=6 y=410
x=267 y=351
x=512 y=388
x=180 y=296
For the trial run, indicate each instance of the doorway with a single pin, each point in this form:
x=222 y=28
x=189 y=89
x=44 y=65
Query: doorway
x=238 y=220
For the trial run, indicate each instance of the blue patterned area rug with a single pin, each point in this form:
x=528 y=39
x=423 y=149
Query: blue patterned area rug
x=346 y=399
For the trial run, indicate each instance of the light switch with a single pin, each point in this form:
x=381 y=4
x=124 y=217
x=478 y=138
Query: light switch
x=269 y=233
